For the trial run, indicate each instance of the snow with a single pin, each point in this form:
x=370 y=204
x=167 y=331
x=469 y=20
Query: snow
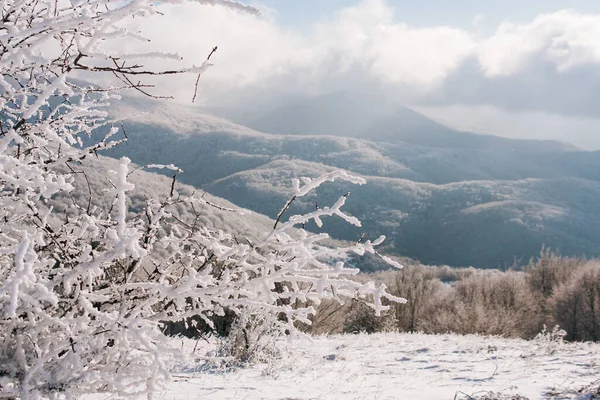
x=398 y=366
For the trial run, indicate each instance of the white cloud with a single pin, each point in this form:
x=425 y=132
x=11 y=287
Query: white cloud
x=565 y=38
x=367 y=44
x=255 y=50
x=418 y=56
x=580 y=131
x=250 y=48
x=367 y=35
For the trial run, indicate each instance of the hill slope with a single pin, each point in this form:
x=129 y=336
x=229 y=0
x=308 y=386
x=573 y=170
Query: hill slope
x=485 y=224
x=152 y=185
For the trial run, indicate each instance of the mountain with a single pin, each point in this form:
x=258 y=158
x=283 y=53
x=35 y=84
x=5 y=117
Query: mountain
x=485 y=224
x=442 y=196
x=377 y=118
x=336 y=114
x=209 y=148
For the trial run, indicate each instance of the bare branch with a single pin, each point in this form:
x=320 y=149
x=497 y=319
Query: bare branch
x=198 y=79
x=283 y=210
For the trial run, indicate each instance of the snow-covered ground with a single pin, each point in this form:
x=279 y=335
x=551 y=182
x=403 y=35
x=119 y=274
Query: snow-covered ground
x=402 y=366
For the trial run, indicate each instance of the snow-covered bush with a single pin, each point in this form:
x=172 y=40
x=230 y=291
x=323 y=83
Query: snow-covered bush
x=361 y=320
x=251 y=339
x=83 y=293
x=549 y=341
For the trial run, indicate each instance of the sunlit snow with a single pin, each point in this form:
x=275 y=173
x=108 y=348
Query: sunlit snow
x=398 y=366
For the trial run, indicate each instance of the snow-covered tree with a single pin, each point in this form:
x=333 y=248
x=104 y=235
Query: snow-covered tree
x=83 y=294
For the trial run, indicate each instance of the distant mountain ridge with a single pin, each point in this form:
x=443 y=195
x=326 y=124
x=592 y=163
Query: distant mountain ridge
x=379 y=119
x=204 y=142
x=465 y=200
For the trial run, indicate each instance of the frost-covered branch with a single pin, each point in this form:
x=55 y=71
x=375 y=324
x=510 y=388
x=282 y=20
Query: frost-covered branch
x=84 y=292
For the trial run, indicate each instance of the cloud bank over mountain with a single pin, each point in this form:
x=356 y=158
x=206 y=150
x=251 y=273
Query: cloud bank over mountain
x=368 y=38
x=549 y=64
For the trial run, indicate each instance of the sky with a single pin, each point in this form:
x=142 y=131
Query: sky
x=524 y=69
x=300 y=14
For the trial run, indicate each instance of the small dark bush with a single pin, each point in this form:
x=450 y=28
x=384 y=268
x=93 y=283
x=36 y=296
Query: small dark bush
x=361 y=319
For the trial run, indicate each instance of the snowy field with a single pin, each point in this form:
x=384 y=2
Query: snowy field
x=403 y=366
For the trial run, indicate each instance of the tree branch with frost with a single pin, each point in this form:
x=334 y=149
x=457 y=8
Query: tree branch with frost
x=83 y=292
x=310 y=185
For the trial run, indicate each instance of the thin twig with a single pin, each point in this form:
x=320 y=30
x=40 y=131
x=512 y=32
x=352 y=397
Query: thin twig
x=284 y=209
x=82 y=172
x=199 y=74
x=173 y=186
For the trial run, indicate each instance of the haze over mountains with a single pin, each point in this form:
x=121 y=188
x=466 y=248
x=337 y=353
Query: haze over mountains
x=440 y=195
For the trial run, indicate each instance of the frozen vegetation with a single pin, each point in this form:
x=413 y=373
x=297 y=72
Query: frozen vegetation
x=90 y=272
x=102 y=262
